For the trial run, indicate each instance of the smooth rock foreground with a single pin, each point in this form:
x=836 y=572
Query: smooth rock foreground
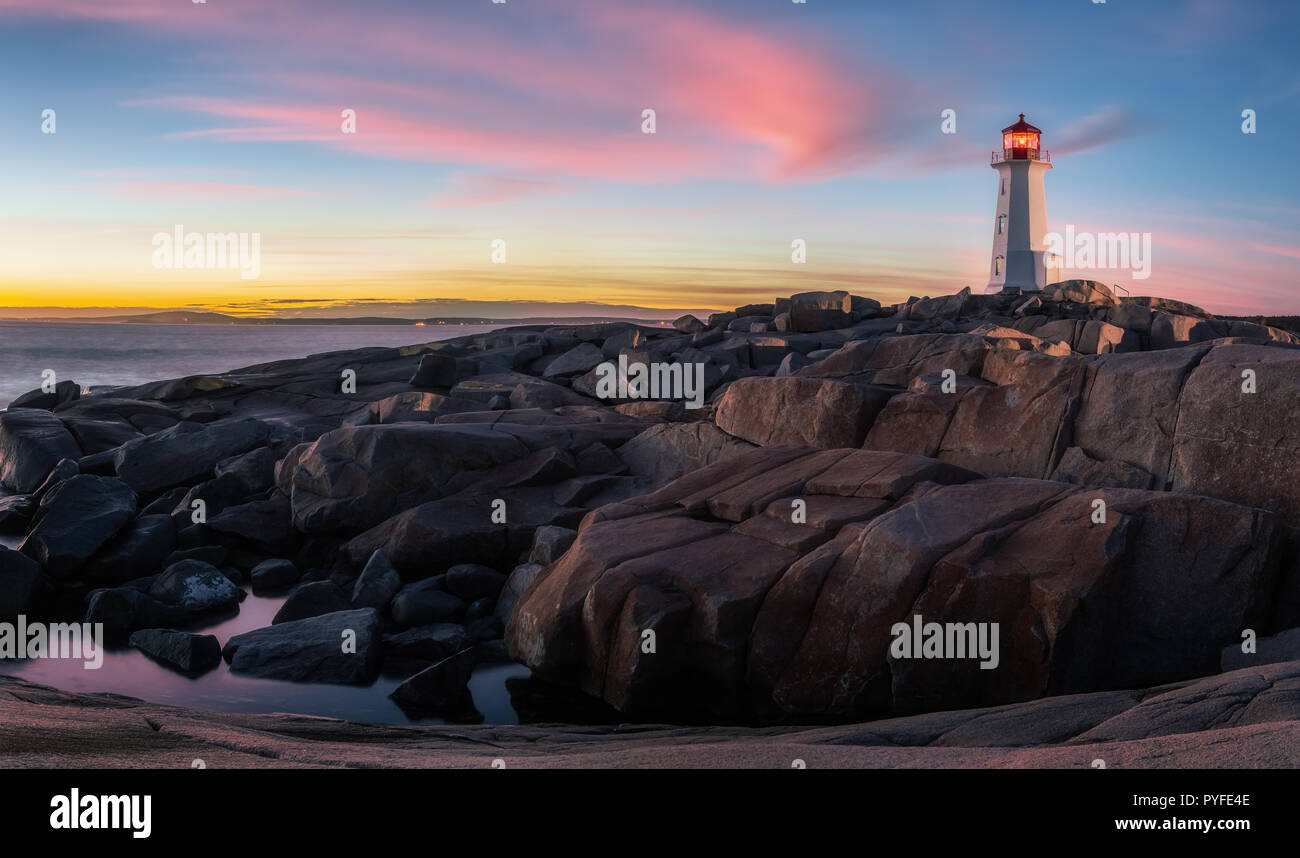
x=756 y=614
x=1244 y=719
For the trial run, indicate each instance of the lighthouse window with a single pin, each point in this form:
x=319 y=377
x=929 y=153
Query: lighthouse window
x=1002 y=219
x=997 y=265
x=1004 y=186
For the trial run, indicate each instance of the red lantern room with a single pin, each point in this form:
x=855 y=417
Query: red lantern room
x=1020 y=141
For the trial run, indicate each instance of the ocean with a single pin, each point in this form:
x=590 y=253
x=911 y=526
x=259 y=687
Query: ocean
x=100 y=354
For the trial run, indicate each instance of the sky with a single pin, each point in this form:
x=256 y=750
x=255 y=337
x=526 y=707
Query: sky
x=522 y=121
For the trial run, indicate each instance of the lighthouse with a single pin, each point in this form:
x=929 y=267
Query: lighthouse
x=1020 y=220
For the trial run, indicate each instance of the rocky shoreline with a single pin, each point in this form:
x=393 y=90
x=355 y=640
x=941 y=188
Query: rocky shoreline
x=485 y=499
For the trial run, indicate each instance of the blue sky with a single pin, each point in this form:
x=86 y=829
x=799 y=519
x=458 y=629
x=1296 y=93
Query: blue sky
x=521 y=121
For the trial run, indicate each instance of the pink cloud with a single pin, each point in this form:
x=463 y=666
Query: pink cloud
x=474 y=190
x=734 y=100
x=1290 y=250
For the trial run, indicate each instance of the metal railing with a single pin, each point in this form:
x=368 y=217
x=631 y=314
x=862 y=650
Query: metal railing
x=1040 y=155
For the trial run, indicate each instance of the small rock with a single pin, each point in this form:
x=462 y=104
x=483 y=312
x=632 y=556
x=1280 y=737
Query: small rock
x=312 y=600
x=183 y=652
x=425 y=602
x=274 y=575
x=378 y=584
x=195 y=586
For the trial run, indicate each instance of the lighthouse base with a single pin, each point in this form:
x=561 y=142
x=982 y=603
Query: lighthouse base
x=1026 y=271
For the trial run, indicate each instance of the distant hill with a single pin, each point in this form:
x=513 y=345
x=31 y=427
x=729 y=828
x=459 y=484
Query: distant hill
x=197 y=317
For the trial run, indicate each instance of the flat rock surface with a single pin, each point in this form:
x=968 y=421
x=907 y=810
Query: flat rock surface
x=44 y=728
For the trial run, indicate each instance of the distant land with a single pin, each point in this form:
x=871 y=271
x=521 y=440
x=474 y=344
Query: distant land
x=189 y=317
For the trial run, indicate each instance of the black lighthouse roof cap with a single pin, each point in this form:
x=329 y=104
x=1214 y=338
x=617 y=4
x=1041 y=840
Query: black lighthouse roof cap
x=1021 y=126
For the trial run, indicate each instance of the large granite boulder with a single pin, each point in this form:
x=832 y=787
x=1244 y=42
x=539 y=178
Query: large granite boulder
x=185 y=453
x=76 y=518
x=64 y=391
x=21 y=584
x=820 y=311
x=1237 y=445
x=775 y=585
x=355 y=477
x=32 y=442
x=343 y=648
x=1080 y=292
x=794 y=410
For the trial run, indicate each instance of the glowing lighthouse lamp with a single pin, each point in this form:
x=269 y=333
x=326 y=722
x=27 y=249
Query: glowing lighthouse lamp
x=1020 y=259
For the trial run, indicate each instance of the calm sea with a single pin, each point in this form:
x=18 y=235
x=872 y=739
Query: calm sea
x=92 y=354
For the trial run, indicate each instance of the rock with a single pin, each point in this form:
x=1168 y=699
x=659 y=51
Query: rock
x=32 y=442
x=100 y=437
x=790 y=363
x=1079 y=468
x=488 y=628
x=356 y=477
x=1242 y=447
x=536 y=393
x=1029 y=306
x=274 y=575
x=1169 y=330
x=64 y=391
x=477 y=610
x=196 y=586
x=15 y=513
x=213 y=555
x=820 y=311
x=776 y=619
x=515 y=586
x=433 y=642
x=688 y=324
x=65 y=469
x=269 y=523
x=460 y=529
x=185 y=453
x=378 y=583
x=470 y=582
x=441 y=690
x=947 y=307
x=255 y=470
x=916 y=421
x=1281 y=647
x=124 y=609
x=312 y=600
x=418 y=406
x=1019 y=426
x=192 y=655
x=425 y=602
x=440 y=370
x=77 y=517
x=549 y=543
x=21 y=584
x=1098 y=338
x=342 y=648
x=625 y=340
x=139 y=549
x=576 y=361
x=665 y=452
x=793 y=410
x=598 y=459
x=1080 y=292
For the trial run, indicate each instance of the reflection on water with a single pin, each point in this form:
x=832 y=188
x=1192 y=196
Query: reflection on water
x=128 y=671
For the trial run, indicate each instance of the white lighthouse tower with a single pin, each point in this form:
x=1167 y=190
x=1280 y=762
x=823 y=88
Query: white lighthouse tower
x=1020 y=223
